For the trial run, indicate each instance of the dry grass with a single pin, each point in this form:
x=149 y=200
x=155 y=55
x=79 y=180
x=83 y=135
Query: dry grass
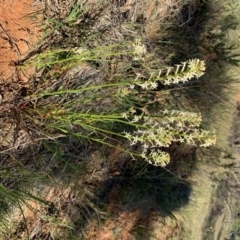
x=97 y=192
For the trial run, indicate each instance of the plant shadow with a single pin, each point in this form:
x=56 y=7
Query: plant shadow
x=148 y=193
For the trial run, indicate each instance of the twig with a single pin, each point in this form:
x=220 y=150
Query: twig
x=12 y=42
x=35 y=140
x=235 y=177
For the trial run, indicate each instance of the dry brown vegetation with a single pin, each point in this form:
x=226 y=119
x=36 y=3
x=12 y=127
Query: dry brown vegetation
x=55 y=185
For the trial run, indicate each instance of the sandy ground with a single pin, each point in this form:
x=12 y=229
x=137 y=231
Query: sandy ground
x=19 y=32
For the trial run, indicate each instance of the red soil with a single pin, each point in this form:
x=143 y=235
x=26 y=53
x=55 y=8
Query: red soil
x=19 y=32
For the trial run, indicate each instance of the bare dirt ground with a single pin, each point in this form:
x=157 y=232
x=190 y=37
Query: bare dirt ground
x=20 y=29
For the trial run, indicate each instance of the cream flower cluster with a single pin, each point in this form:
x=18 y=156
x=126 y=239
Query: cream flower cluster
x=193 y=68
x=184 y=72
x=154 y=132
x=139 y=49
x=148 y=85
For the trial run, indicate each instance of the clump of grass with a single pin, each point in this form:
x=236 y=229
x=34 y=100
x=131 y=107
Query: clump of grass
x=12 y=198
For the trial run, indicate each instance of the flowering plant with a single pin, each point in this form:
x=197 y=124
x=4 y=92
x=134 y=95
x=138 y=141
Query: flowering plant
x=152 y=129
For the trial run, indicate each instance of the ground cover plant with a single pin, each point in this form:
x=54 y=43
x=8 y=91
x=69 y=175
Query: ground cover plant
x=108 y=111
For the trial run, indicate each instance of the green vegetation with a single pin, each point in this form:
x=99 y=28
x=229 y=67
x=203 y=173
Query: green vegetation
x=129 y=105
x=110 y=123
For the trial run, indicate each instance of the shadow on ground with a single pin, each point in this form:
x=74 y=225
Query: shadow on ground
x=137 y=194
